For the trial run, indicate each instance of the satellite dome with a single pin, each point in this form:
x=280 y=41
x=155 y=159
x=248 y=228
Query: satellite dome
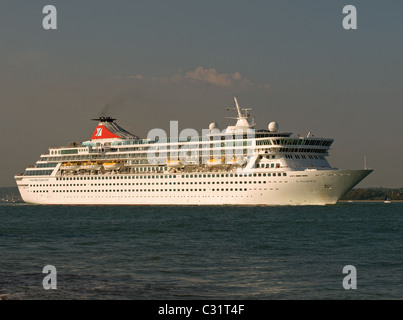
x=273 y=126
x=212 y=126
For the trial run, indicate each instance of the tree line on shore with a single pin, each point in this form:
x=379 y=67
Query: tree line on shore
x=373 y=194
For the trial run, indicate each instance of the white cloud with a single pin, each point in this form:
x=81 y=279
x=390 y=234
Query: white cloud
x=213 y=77
x=202 y=75
x=136 y=77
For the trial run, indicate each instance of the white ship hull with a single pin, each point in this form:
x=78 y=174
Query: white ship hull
x=307 y=187
x=236 y=166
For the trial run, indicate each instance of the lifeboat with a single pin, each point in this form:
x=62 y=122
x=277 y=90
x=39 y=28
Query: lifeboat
x=215 y=162
x=70 y=166
x=174 y=163
x=236 y=161
x=113 y=165
x=90 y=166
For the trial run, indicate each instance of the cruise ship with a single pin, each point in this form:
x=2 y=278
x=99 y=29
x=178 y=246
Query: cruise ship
x=235 y=166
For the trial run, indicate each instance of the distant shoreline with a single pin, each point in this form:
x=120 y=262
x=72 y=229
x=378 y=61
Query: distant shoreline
x=380 y=201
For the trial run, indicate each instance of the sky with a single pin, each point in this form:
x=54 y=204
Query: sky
x=150 y=62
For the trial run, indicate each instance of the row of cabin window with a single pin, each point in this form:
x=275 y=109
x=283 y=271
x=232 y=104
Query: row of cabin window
x=142 y=190
x=268 y=165
x=212 y=175
x=156 y=183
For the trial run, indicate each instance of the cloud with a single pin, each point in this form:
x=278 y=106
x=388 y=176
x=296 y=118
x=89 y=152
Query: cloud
x=213 y=77
x=136 y=77
x=132 y=77
x=201 y=75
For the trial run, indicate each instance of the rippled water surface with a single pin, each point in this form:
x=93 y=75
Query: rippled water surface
x=153 y=252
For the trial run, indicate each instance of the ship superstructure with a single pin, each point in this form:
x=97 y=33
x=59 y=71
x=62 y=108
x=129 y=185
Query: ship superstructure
x=236 y=166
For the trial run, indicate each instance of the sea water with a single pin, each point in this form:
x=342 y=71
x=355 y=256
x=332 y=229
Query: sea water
x=201 y=252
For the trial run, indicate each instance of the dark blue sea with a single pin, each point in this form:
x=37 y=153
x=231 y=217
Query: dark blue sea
x=192 y=252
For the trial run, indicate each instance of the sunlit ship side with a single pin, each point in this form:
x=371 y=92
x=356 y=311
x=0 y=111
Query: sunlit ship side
x=237 y=166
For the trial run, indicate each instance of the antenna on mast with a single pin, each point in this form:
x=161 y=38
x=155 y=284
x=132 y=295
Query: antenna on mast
x=242 y=118
x=237 y=108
